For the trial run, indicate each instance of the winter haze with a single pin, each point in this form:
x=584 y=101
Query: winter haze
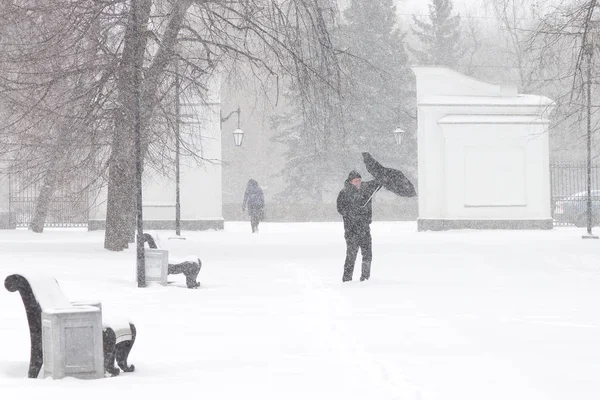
x=300 y=199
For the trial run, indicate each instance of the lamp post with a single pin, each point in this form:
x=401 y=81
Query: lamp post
x=177 y=140
x=238 y=134
x=589 y=51
x=137 y=82
x=399 y=134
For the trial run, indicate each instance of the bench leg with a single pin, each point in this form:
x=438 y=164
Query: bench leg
x=109 y=340
x=122 y=351
x=189 y=269
x=35 y=333
x=191 y=273
x=36 y=361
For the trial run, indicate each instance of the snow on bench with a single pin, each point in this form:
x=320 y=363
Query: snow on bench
x=41 y=293
x=188 y=265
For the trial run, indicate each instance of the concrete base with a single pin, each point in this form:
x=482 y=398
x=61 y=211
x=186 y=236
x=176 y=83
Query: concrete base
x=197 y=225
x=448 y=224
x=72 y=342
x=8 y=220
x=589 y=236
x=157 y=265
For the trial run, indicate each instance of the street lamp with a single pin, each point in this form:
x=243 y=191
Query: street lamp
x=399 y=135
x=238 y=137
x=238 y=134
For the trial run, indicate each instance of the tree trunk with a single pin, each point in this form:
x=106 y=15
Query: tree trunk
x=42 y=203
x=121 y=180
x=53 y=173
x=120 y=188
x=121 y=201
x=115 y=237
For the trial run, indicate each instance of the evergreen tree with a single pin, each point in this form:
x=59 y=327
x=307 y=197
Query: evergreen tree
x=378 y=91
x=311 y=128
x=439 y=36
x=326 y=135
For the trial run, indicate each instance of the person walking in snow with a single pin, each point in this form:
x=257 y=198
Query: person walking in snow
x=354 y=204
x=254 y=200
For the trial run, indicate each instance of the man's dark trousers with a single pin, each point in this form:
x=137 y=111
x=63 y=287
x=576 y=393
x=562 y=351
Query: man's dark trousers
x=361 y=238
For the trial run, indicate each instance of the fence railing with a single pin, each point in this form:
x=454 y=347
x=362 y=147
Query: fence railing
x=68 y=206
x=569 y=193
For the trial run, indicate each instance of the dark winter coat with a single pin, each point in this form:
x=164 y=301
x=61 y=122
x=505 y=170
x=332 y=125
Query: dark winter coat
x=254 y=199
x=355 y=207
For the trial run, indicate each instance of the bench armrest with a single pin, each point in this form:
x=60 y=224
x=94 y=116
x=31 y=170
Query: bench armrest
x=93 y=303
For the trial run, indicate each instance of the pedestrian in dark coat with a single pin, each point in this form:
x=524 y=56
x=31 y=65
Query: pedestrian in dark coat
x=354 y=204
x=254 y=200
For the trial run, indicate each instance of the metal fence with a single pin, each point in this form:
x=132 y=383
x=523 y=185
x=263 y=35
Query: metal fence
x=569 y=193
x=68 y=206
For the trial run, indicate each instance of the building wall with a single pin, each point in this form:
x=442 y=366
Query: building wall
x=6 y=220
x=200 y=180
x=497 y=170
x=483 y=153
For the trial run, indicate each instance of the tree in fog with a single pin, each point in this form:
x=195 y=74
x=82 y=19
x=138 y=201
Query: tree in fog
x=438 y=35
x=564 y=44
x=375 y=95
x=378 y=85
x=288 y=39
x=513 y=23
x=52 y=122
x=311 y=128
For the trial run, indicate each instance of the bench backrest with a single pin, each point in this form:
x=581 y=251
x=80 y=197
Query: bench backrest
x=45 y=290
x=152 y=239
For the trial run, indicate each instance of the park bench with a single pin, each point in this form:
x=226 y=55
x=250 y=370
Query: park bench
x=42 y=294
x=188 y=266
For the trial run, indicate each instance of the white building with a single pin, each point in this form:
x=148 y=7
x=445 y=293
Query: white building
x=483 y=158
x=200 y=183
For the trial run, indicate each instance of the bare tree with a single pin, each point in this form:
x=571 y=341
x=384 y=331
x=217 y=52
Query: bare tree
x=542 y=50
x=575 y=27
x=285 y=39
x=563 y=44
x=514 y=19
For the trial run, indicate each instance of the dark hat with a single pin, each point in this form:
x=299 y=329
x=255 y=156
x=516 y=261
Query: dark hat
x=353 y=175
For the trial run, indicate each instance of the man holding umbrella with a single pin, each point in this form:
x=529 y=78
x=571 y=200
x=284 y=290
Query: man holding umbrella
x=354 y=204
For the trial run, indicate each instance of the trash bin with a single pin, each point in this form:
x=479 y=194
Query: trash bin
x=157 y=265
x=72 y=342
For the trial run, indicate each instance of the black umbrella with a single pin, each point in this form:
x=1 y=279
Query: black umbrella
x=391 y=179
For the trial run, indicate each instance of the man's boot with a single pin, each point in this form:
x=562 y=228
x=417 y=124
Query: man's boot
x=366 y=271
x=347 y=275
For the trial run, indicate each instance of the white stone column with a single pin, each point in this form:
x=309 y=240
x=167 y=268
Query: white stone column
x=200 y=180
x=6 y=221
x=483 y=154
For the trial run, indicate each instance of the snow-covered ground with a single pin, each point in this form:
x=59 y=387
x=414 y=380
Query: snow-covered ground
x=447 y=315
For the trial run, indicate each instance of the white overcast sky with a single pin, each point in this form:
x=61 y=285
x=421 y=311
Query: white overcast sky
x=420 y=6
x=413 y=6
x=405 y=9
